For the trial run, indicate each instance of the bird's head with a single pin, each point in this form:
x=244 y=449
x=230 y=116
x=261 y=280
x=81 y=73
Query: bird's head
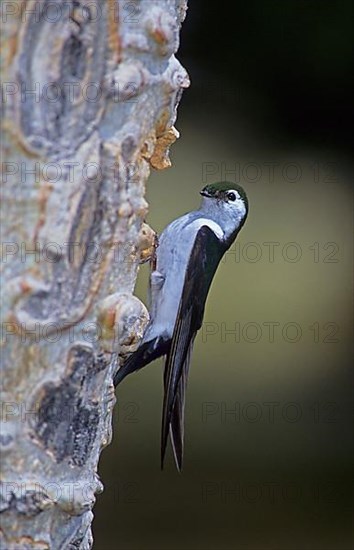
x=225 y=199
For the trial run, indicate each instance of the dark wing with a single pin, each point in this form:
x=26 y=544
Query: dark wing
x=147 y=352
x=205 y=256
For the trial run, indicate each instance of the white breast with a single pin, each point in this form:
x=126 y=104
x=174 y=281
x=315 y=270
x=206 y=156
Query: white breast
x=173 y=253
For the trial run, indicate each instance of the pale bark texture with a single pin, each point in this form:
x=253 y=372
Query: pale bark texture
x=89 y=97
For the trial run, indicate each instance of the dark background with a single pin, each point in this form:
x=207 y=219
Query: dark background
x=269 y=420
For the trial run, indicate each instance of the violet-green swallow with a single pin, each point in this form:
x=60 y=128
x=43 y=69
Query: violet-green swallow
x=188 y=254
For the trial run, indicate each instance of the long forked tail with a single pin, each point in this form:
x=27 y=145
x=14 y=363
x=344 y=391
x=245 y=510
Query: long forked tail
x=177 y=416
x=175 y=383
x=149 y=351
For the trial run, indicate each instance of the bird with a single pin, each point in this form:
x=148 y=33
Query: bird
x=187 y=256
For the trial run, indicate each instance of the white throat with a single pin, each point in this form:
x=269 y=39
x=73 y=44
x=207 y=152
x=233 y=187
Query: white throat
x=229 y=216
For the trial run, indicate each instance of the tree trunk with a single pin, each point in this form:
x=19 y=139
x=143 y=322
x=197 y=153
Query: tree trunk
x=89 y=97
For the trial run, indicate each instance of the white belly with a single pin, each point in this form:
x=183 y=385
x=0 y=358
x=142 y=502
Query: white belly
x=172 y=257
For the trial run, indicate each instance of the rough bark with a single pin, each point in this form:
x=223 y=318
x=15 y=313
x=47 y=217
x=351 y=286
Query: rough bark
x=89 y=97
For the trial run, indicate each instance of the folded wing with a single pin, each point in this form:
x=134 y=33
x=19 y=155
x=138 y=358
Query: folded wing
x=205 y=256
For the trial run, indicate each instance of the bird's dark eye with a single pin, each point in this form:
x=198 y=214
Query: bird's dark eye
x=231 y=196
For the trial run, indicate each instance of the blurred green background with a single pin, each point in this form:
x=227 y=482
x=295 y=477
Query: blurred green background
x=269 y=406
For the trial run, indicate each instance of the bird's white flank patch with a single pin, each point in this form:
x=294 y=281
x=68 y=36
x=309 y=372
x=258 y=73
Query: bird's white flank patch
x=215 y=227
